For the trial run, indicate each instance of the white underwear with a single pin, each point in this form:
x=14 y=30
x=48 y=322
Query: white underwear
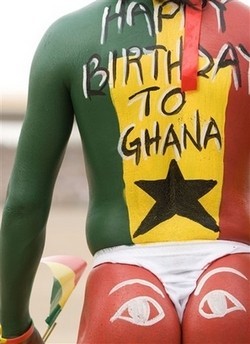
x=178 y=265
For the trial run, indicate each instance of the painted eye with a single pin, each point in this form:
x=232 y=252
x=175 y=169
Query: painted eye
x=220 y=303
x=137 y=311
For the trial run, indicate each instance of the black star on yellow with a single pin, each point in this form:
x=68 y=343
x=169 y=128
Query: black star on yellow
x=176 y=196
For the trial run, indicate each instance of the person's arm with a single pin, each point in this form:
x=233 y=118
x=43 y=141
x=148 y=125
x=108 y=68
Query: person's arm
x=41 y=147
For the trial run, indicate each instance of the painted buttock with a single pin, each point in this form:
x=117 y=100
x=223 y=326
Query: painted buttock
x=137 y=311
x=141 y=310
x=218 y=303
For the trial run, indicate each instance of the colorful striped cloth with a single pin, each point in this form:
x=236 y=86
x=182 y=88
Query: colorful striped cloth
x=19 y=339
x=66 y=270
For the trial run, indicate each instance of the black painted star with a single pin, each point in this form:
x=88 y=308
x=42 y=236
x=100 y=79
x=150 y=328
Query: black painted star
x=176 y=196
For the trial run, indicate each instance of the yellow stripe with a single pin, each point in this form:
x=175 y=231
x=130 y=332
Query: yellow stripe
x=66 y=277
x=204 y=109
x=2 y=340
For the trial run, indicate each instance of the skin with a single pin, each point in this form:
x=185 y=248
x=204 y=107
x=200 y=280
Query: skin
x=234 y=326
x=96 y=326
x=55 y=99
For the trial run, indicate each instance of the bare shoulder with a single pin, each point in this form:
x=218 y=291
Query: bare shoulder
x=237 y=16
x=237 y=13
x=84 y=19
x=66 y=38
x=226 y=21
x=240 y=12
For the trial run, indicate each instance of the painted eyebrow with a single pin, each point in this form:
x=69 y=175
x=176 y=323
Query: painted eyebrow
x=136 y=281
x=214 y=272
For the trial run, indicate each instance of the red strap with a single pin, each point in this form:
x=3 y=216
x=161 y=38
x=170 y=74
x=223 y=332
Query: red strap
x=22 y=338
x=191 y=44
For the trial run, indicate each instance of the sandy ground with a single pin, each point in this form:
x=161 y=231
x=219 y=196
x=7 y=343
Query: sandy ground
x=65 y=235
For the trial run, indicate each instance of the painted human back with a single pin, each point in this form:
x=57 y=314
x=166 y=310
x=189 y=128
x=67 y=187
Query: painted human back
x=163 y=164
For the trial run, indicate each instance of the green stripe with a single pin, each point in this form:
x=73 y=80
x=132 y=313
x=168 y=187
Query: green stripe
x=55 y=308
x=53 y=315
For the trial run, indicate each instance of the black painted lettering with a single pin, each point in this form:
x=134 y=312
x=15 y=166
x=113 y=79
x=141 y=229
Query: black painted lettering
x=212 y=132
x=171 y=140
x=228 y=57
x=95 y=77
x=246 y=55
x=113 y=55
x=155 y=54
x=172 y=65
x=170 y=13
x=187 y=135
x=133 y=57
x=220 y=8
x=119 y=17
x=144 y=96
x=135 y=146
x=150 y=140
x=209 y=62
x=177 y=97
x=137 y=9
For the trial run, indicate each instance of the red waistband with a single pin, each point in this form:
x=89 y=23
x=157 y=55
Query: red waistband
x=20 y=339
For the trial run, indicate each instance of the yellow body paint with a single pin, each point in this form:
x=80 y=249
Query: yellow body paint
x=150 y=106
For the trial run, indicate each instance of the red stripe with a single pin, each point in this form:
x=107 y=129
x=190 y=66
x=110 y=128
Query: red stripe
x=22 y=338
x=76 y=264
x=191 y=44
